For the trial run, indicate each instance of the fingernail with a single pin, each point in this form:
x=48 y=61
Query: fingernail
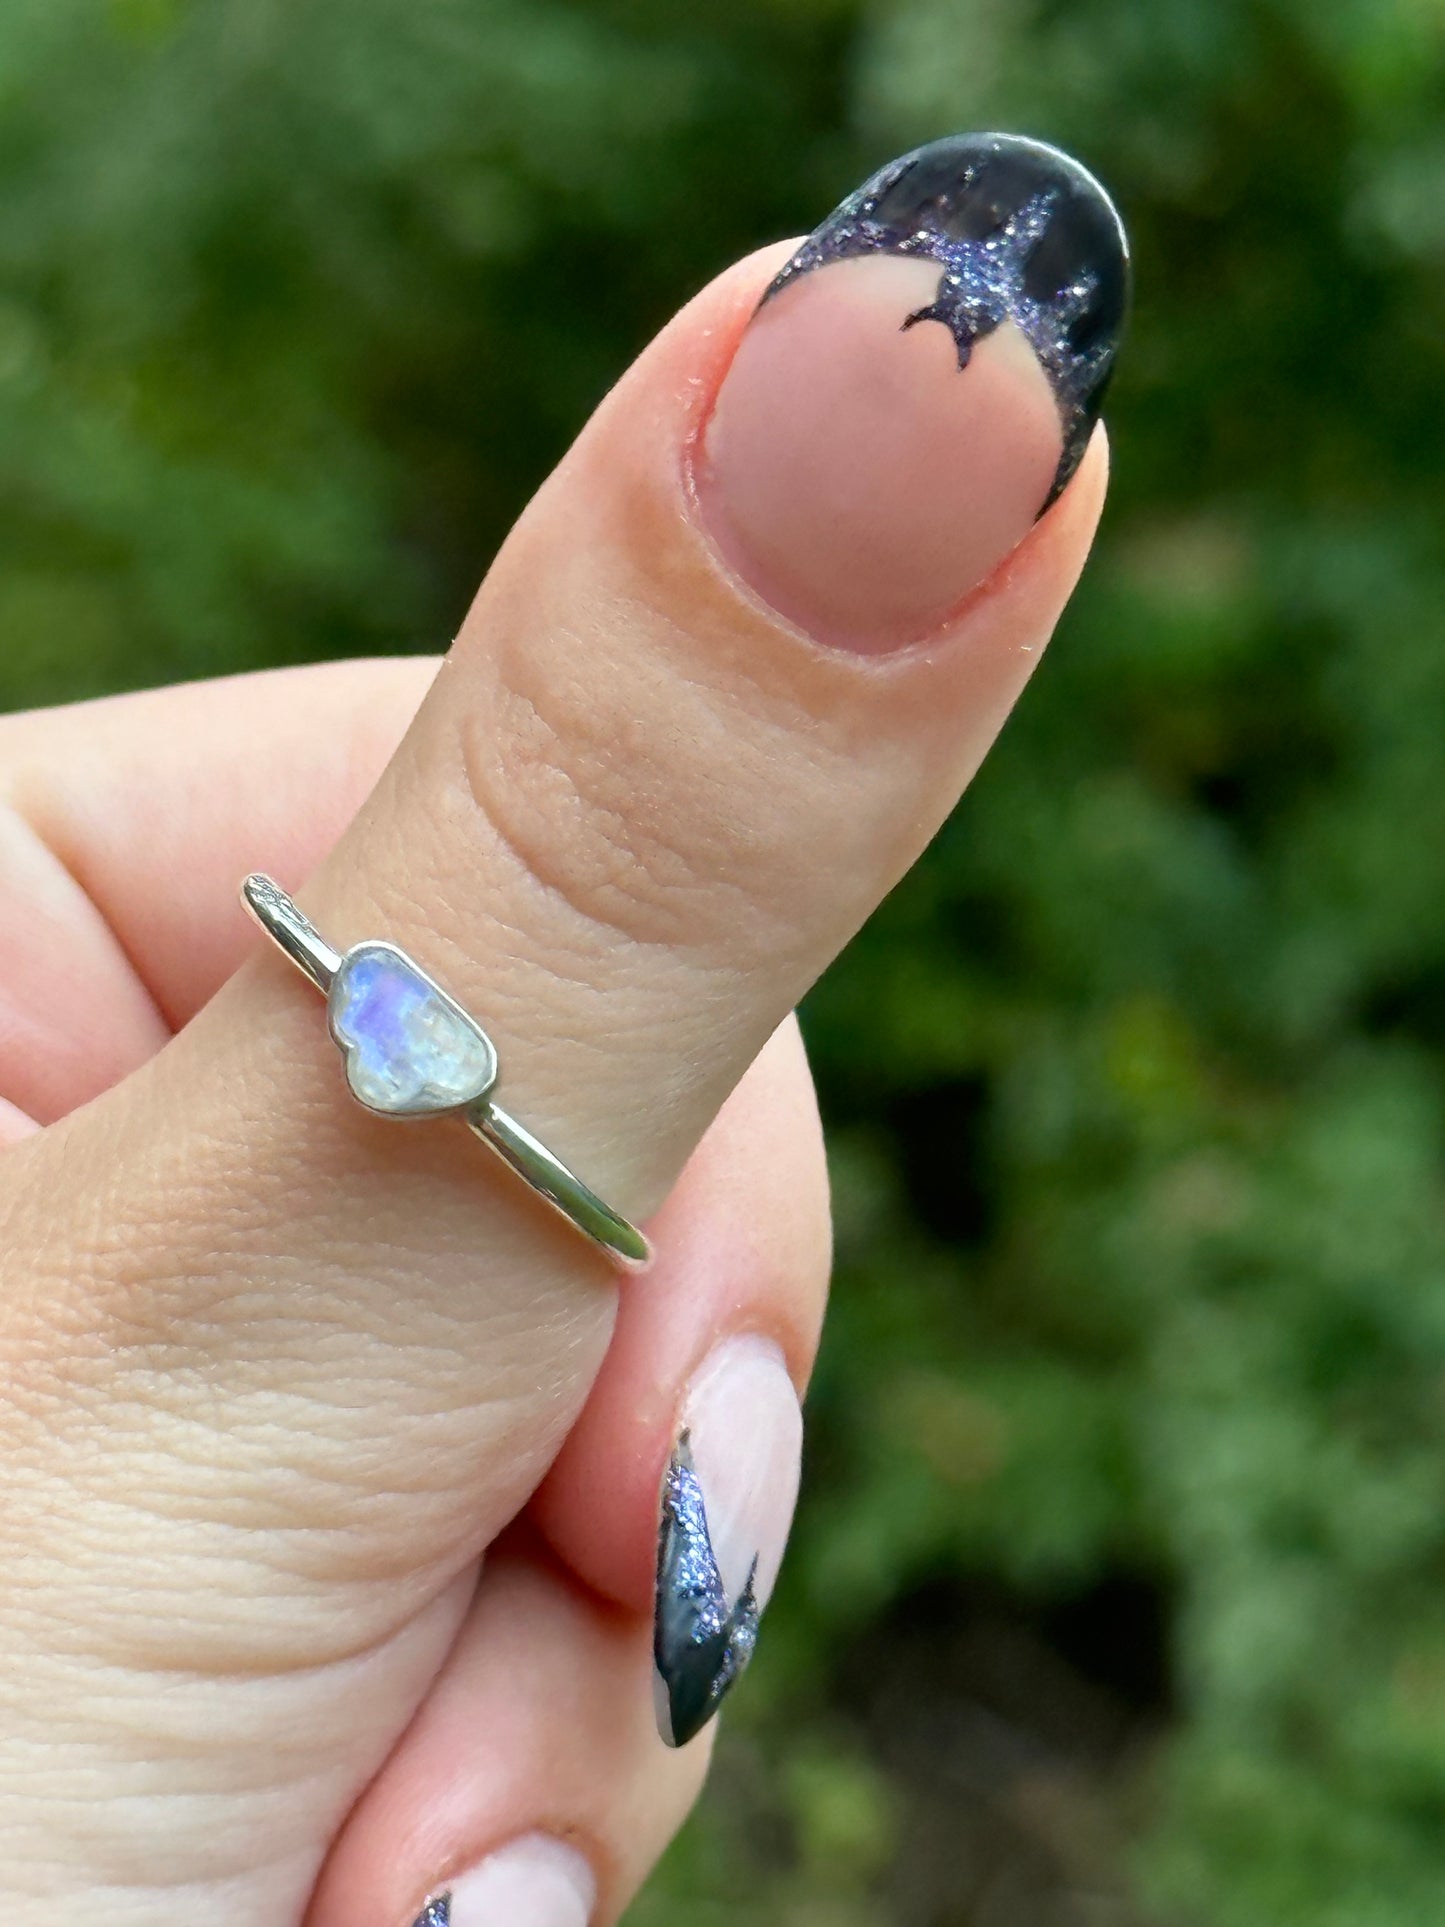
x=918 y=384
x=534 y=1882
x=727 y=1501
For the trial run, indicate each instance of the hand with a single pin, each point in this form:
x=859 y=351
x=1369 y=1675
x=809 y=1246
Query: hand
x=280 y=1373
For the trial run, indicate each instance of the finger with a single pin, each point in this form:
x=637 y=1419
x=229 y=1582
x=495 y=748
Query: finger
x=533 y=1778
x=338 y=1720
x=697 y=1399
x=636 y=814
x=123 y=826
x=639 y=810
x=541 y=1723
x=530 y=1791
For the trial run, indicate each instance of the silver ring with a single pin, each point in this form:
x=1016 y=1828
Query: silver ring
x=411 y=1051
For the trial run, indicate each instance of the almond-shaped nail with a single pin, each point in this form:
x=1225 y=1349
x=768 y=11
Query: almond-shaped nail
x=727 y=1500
x=919 y=383
x=533 y=1882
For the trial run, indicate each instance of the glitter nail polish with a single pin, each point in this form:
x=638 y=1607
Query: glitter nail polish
x=917 y=385
x=727 y=1499
x=1020 y=233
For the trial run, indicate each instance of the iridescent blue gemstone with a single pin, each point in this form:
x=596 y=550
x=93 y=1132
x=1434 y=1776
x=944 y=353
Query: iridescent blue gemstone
x=409 y=1049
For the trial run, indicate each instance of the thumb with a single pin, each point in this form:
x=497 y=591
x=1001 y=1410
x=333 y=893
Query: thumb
x=722 y=684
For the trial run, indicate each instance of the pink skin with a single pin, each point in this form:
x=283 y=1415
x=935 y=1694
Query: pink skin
x=857 y=478
x=733 y=794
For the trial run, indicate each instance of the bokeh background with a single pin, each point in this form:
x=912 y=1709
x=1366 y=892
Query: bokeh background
x=1118 y=1597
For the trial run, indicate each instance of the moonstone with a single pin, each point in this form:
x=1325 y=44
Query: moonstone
x=408 y=1048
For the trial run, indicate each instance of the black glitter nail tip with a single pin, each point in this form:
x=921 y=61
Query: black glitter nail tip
x=1021 y=233
x=436 y=1913
x=701 y=1643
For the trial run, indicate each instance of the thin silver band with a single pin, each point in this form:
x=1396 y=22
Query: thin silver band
x=315 y=958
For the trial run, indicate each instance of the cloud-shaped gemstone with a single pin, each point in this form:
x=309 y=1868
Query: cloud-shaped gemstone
x=409 y=1049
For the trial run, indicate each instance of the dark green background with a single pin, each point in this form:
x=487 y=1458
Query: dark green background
x=1119 y=1589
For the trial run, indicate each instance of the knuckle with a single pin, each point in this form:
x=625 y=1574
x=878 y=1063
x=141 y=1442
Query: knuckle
x=616 y=828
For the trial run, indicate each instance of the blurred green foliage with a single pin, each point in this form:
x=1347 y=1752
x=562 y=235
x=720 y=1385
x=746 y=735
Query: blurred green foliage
x=1119 y=1592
